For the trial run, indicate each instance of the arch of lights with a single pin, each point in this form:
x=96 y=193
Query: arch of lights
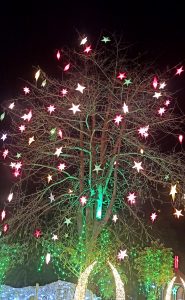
x=83 y=280
x=170 y=286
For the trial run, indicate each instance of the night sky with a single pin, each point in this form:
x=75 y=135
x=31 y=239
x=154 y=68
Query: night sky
x=31 y=32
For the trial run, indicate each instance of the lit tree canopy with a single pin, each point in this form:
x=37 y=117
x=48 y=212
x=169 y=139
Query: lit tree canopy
x=91 y=147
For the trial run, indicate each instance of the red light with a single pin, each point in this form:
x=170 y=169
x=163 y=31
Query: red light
x=176 y=262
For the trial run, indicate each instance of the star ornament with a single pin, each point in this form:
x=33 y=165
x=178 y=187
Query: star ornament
x=137 y=166
x=131 y=198
x=22 y=128
x=155 y=82
x=67 y=221
x=58 y=151
x=10 y=197
x=153 y=217
x=75 y=108
x=114 y=218
x=49 y=178
x=118 y=119
x=180 y=138
x=37 y=75
x=179 y=70
x=122 y=76
x=83 y=200
x=52 y=197
x=83 y=41
x=173 y=191
x=5 y=153
x=31 y=140
x=61 y=167
x=4 y=136
x=161 y=111
x=97 y=168
x=64 y=92
x=122 y=254
x=143 y=131
x=51 y=109
x=27 y=116
x=162 y=85
x=26 y=90
x=11 y=106
x=178 y=213
x=88 y=49
x=80 y=88
x=157 y=95
x=54 y=237
x=105 y=39
x=125 y=108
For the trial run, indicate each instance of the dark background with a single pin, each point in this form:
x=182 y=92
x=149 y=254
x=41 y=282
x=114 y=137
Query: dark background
x=31 y=31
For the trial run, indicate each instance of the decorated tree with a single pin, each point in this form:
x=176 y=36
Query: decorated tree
x=154 y=267
x=87 y=152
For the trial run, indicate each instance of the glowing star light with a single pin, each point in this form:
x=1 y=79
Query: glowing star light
x=4 y=136
x=52 y=197
x=114 y=218
x=125 y=108
x=122 y=76
x=118 y=119
x=97 y=168
x=67 y=221
x=26 y=90
x=162 y=85
x=27 y=116
x=83 y=41
x=173 y=191
x=137 y=166
x=75 y=108
x=88 y=49
x=49 y=178
x=61 y=166
x=167 y=102
x=66 y=68
x=83 y=200
x=11 y=106
x=37 y=233
x=122 y=254
x=31 y=140
x=179 y=71
x=80 y=88
x=161 y=111
x=155 y=82
x=58 y=151
x=10 y=197
x=143 y=131
x=64 y=92
x=157 y=95
x=60 y=133
x=48 y=258
x=105 y=39
x=3 y=215
x=180 y=138
x=54 y=237
x=37 y=75
x=153 y=216
x=51 y=109
x=131 y=198
x=58 y=55
x=5 y=153
x=178 y=213
x=22 y=128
